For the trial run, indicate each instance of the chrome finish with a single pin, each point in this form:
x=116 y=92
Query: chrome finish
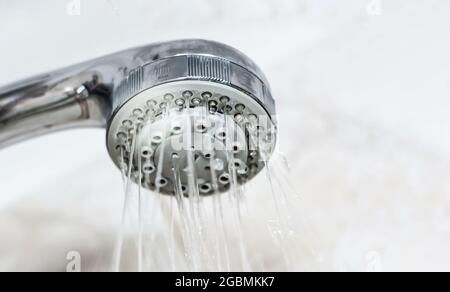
x=75 y=97
x=198 y=63
x=138 y=93
x=168 y=132
x=87 y=94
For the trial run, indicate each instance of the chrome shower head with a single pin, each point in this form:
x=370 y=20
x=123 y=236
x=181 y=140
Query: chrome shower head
x=171 y=110
x=198 y=108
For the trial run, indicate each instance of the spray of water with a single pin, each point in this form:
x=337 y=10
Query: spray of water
x=186 y=207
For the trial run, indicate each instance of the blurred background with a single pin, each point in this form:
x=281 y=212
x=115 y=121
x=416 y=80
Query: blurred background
x=363 y=94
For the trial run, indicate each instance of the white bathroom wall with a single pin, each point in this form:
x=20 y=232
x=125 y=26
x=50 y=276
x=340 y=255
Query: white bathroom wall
x=363 y=99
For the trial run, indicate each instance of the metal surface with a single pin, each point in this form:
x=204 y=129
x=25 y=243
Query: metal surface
x=212 y=130
x=96 y=93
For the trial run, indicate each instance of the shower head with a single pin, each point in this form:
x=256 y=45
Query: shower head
x=197 y=109
x=180 y=113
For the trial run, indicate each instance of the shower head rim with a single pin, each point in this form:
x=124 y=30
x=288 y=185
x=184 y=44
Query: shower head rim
x=194 y=66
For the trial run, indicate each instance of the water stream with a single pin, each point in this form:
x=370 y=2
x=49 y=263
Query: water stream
x=236 y=230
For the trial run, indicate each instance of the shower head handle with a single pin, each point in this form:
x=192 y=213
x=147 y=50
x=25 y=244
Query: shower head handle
x=88 y=94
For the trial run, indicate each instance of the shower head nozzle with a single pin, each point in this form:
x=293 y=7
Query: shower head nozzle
x=178 y=114
x=200 y=109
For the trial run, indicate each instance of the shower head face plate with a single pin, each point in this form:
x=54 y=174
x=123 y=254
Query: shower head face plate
x=191 y=136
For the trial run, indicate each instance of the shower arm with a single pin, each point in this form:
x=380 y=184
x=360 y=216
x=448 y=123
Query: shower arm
x=73 y=97
x=87 y=94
